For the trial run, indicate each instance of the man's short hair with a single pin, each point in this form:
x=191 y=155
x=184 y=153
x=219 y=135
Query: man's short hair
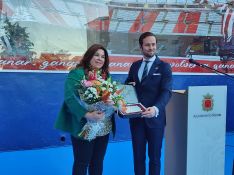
x=144 y=35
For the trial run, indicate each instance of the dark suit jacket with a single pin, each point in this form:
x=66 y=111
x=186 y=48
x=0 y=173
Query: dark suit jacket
x=71 y=116
x=154 y=90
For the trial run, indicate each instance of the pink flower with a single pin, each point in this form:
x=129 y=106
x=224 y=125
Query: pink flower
x=87 y=83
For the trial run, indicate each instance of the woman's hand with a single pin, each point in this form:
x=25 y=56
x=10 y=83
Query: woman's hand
x=94 y=116
x=109 y=102
x=122 y=106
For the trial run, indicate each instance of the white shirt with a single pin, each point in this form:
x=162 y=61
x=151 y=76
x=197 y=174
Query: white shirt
x=151 y=61
x=140 y=72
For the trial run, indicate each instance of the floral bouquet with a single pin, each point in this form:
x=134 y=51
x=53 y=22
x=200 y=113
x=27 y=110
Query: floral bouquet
x=94 y=92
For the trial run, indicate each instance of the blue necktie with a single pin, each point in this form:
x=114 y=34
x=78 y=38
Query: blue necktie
x=145 y=71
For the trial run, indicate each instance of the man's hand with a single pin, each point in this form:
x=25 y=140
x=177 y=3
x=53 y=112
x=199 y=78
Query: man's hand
x=132 y=83
x=149 y=112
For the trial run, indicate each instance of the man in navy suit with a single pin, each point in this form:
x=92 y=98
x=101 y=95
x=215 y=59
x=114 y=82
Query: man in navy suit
x=152 y=79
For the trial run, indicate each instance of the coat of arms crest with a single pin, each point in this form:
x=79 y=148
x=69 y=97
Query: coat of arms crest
x=207 y=102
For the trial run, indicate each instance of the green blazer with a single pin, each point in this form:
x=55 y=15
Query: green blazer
x=71 y=116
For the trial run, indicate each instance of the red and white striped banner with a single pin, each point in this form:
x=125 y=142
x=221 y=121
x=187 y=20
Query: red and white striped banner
x=227 y=28
x=118 y=64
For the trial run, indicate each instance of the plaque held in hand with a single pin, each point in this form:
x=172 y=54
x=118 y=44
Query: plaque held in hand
x=133 y=107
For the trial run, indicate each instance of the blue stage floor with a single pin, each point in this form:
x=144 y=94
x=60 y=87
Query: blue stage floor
x=58 y=161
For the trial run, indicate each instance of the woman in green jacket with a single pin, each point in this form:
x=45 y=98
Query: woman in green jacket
x=88 y=155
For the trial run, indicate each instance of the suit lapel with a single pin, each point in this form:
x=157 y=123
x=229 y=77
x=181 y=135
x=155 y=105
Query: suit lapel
x=138 y=65
x=155 y=67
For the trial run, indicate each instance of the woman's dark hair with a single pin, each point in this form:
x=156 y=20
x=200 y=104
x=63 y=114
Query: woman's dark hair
x=85 y=61
x=144 y=35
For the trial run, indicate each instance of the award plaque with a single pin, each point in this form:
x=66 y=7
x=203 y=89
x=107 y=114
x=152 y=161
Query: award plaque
x=133 y=107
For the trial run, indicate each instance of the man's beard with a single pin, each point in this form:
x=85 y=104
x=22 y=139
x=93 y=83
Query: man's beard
x=149 y=55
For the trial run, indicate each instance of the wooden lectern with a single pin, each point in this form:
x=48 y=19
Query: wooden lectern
x=195 y=131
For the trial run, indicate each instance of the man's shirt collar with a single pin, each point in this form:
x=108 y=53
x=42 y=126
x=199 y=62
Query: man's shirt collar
x=152 y=59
